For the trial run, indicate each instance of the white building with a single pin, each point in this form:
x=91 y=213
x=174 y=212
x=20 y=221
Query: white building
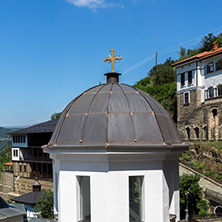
x=199 y=95
x=115 y=157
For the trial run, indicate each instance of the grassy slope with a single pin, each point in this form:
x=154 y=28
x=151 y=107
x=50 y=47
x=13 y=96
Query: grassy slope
x=205 y=157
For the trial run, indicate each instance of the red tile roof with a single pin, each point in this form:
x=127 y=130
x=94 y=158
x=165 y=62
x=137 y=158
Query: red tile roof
x=8 y=164
x=200 y=56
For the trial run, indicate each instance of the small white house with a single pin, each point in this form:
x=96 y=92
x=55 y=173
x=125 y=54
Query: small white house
x=115 y=157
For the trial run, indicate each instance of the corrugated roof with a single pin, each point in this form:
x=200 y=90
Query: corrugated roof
x=200 y=56
x=45 y=127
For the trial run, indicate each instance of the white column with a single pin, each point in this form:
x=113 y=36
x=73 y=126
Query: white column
x=109 y=197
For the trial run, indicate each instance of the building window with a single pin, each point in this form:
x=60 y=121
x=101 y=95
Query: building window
x=20 y=168
x=211 y=92
x=182 y=79
x=25 y=169
x=219 y=65
x=19 y=139
x=186 y=98
x=136 y=199
x=15 y=153
x=84 y=211
x=210 y=67
x=190 y=77
x=219 y=90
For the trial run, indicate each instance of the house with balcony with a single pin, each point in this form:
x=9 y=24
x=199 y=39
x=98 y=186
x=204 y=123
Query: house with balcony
x=199 y=95
x=28 y=159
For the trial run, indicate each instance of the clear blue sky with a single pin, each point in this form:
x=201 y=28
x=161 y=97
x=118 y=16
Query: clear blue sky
x=53 y=50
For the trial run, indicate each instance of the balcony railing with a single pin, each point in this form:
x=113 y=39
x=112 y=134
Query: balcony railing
x=37 y=158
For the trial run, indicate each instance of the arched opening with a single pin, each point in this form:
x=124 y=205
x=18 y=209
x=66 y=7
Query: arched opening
x=205 y=133
x=196 y=130
x=214 y=112
x=214 y=124
x=188 y=133
x=218 y=211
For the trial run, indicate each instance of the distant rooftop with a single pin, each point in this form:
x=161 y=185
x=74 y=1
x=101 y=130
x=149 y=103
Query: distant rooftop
x=45 y=127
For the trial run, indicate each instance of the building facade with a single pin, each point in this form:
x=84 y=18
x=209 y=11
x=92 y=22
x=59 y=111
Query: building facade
x=28 y=159
x=199 y=95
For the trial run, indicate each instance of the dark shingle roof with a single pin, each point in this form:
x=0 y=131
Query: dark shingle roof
x=45 y=127
x=28 y=198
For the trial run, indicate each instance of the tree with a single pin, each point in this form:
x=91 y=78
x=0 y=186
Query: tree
x=161 y=84
x=55 y=116
x=196 y=204
x=162 y=74
x=206 y=42
x=44 y=204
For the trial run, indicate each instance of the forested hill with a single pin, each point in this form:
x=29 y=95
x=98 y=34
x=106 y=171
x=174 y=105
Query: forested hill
x=4 y=137
x=4 y=131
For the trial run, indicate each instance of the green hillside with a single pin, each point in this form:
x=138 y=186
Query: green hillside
x=205 y=157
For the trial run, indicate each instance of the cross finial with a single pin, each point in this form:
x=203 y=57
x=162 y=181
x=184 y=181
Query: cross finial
x=112 y=58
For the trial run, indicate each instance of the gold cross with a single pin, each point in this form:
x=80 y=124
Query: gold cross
x=112 y=59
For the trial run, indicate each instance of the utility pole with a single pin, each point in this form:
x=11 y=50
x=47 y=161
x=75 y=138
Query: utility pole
x=8 y=146
x=156 y=58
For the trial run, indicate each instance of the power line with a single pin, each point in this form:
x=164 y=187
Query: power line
x=170 y=49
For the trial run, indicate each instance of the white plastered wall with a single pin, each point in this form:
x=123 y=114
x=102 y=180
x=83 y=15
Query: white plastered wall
x=110 y=188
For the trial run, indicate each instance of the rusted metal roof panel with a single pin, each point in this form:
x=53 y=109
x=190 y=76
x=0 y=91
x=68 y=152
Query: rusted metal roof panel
x=120 y=128
x=152 y=133
x=72 y=129
x=138 y=103
x=118 y=103
x=95 y=130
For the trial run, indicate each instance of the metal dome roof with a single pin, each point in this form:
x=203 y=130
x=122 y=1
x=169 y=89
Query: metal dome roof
x=114 y=115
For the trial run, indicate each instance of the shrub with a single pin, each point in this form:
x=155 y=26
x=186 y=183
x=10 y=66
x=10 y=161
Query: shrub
x=45 y=204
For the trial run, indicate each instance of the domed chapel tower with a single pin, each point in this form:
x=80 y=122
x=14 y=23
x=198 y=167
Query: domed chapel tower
x=115 y=154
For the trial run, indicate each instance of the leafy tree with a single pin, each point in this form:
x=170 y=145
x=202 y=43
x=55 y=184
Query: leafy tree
x=196 y=204
x=206 y=42
x=55 y=116
x=5 y=156
x=44 y=204
x=182 y=51
x=161 y=84
x=162 y=74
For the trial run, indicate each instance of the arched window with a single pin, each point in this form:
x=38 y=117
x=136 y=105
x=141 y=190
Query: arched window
x=188 y=132
x=214 y=112
x=197 y=132
x=219 y=90
x=205 y=133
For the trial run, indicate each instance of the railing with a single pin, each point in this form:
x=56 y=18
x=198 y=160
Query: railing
x=39 y=158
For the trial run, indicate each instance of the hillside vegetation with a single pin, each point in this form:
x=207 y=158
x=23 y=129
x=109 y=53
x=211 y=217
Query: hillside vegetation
x=205 y=157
